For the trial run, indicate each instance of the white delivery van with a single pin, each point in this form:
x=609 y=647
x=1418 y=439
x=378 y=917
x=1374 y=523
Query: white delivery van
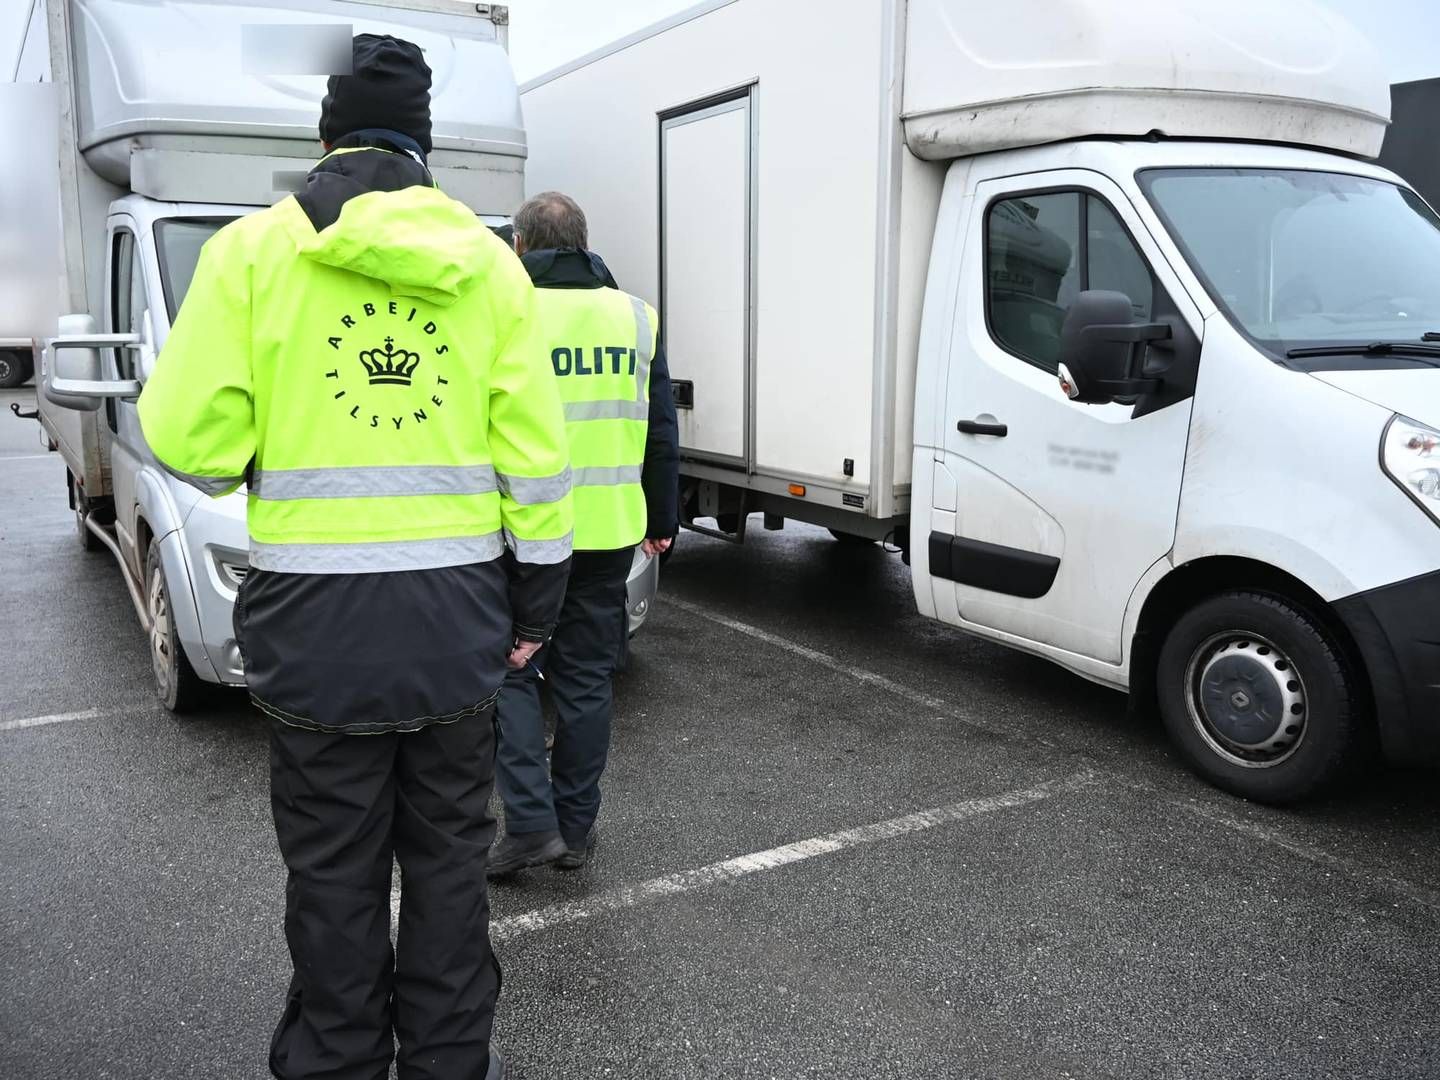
x=171 y=127
x=1096 y=309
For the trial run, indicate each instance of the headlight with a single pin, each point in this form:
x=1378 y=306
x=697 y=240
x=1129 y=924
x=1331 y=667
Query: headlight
x=1410 y=452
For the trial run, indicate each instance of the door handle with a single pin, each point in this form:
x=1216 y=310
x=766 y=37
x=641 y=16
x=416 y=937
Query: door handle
x=982 y=427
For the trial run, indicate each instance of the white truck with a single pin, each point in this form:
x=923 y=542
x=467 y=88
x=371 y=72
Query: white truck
x=172 y=125
x=1096 y=309
x=17 y=361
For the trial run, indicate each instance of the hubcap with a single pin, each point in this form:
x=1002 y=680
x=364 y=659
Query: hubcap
x=1246 y=699
x=161 y=657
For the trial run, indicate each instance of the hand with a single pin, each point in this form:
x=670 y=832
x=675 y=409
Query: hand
x=656 y=547
x=522 y=652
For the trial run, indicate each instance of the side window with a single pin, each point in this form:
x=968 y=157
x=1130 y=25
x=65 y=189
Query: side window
x=1032 y=273
x=128 y=306
x=1113 y=263
x=1044 y=250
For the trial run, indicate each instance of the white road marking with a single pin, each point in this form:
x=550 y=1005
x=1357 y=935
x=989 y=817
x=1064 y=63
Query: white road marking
x=744 y=865
x=26 y=457
x=65 y=718
x=56 y=718
x=716 y=873
x=1318 y=856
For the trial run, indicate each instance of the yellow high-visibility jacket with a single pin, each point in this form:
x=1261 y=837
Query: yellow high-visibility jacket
x=366 y=355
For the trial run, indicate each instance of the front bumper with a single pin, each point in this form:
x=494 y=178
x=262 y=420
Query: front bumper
x=1397 y=629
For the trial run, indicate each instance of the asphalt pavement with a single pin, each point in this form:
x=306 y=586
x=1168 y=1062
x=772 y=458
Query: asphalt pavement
x=838 y=840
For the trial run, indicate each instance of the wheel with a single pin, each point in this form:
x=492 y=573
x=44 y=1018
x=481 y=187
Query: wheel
x=1259 y=698
x=88 y=540
x=851 y=539
x=180 y=689
x=13 y=369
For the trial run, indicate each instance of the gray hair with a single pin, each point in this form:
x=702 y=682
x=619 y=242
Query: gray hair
x=551 y=220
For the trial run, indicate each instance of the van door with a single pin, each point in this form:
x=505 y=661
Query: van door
x=1061 y=507
x=127 y=312
x=707 y=245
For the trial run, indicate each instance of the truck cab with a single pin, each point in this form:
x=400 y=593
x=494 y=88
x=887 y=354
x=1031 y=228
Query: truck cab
x=1204 y=457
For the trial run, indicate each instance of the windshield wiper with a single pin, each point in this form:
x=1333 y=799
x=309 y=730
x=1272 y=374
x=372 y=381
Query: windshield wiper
x=1374 y=348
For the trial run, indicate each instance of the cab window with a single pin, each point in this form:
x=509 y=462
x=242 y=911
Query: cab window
x=1043 y=250
x=128 y=309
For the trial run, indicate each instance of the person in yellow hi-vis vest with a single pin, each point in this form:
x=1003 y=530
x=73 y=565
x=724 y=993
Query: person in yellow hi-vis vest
x=364 y=354
x=624 y=458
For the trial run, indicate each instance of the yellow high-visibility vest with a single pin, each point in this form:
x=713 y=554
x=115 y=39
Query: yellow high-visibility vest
x=600 y=343
x=386 y=390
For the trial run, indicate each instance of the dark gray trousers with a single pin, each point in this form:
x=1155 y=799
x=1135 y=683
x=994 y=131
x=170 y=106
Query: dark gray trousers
x=579 y=667
x=345 y=807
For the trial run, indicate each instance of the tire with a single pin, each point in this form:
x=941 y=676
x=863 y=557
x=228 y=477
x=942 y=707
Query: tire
x=179 y=688
x=13 y=369
x=1259 y=698
x=851 y=539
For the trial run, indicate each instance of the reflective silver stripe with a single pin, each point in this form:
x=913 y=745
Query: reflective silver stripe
x=607 y=475
x=644 y=351
x=213 y=486
x=530 y=490
x=374 y=481
x=376 y=556
x=541 y=552
x=606 y=410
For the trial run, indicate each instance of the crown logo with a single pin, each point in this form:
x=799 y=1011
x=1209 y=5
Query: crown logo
x=389 y=367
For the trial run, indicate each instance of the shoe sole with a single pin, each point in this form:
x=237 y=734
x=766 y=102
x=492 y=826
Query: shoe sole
x=548 y=854
x=572 y=861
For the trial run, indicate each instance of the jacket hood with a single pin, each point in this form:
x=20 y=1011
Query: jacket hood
x=377 y=213
x=567 y=268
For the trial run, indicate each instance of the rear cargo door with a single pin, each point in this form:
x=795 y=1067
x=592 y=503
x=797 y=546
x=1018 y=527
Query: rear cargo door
x=707 y=233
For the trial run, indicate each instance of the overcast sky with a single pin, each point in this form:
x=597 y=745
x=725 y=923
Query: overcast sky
x=546 y=33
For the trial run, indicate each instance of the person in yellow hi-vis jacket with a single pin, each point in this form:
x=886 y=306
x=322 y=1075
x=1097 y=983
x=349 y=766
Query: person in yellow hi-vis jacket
x=603 y=345
x=364 y=355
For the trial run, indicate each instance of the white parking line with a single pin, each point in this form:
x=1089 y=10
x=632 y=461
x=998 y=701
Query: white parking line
x=65 y=718
x=744 y=865
x=1264 y=834
x=56 y=718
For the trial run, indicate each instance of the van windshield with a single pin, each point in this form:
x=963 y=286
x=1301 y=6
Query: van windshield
x=1301 y=260
x=178 y=242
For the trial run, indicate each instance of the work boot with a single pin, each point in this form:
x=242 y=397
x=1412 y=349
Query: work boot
x=497 y=1070
x=577 y=854
x=519 y=851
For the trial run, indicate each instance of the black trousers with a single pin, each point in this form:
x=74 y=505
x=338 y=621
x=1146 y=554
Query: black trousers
x=579 y=666
x=345 y=806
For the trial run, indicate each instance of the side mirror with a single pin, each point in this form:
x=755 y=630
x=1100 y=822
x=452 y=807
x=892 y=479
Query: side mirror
x=1102 y=351
x=70 y=369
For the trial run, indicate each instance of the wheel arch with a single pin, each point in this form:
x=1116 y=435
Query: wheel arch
x=184 y=608
x=1190 y=583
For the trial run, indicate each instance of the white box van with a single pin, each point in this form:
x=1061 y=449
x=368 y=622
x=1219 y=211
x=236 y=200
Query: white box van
x=170 y=128
x=1095 y=308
